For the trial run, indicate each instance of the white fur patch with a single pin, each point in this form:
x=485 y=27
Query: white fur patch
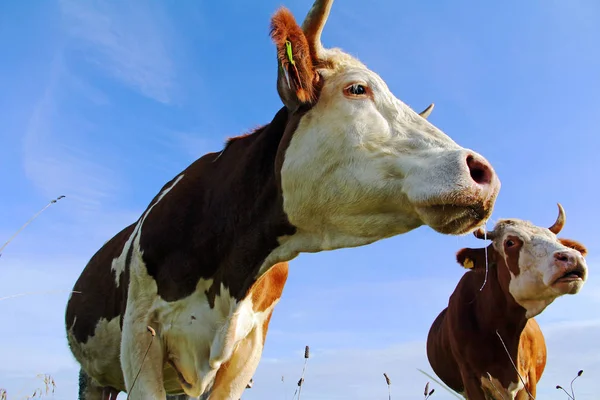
x=362 y=169
x=199 y=339
x=99 y=356
x=533 y=287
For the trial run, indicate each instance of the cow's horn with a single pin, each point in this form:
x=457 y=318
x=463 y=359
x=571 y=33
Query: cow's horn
x=425 y=113
x=560 y=221
x=480 y=233
x=313 y=24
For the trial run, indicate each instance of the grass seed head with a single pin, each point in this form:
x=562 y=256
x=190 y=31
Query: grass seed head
x=387 y=379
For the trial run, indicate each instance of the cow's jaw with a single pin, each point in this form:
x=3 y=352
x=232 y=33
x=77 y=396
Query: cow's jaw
x=370 y=167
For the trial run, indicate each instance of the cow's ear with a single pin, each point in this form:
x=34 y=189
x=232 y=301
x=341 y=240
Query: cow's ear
x=296 y=76
x=471 y=258
x=573 y=244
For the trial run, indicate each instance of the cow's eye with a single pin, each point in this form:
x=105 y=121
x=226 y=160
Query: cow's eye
x=356 y=89
x=509 y=243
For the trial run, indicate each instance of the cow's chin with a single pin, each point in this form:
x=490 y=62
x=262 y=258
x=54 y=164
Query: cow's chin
x=568 y=286
x=452 y=219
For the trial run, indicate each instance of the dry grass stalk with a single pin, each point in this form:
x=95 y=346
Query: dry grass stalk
x=426 y=392
x=49 y=387
x=514 y=366
x=28 y=222
x=446 y=388
x=153 y=334
x=572 y=395
x=283 y=386
x=12 y=296
x=301 y=380
x=389 y=385
x=39 y=392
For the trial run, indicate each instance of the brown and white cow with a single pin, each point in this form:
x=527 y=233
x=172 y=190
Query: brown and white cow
x=528 y=268
x=343 y=164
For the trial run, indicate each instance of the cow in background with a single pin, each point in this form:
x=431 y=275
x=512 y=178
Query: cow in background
x=494 y=305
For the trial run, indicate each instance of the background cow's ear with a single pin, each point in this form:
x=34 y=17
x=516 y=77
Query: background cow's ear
x=296 y=73
x=471 y=258
x=573 y=244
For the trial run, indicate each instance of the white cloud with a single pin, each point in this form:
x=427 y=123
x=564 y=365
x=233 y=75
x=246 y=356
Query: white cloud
x=88 y=91
x=127 y=39
x=51 y=163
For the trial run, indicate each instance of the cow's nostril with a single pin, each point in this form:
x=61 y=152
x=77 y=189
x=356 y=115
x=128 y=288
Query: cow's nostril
x=479 y=170
x=563 y=257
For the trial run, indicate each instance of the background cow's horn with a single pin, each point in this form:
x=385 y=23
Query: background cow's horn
x=313 y=24
x=481 y=234
x=425 y=113
x=560 y=221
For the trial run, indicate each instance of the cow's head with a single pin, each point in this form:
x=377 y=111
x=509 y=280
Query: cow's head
x=356 y=163
x=532 y=264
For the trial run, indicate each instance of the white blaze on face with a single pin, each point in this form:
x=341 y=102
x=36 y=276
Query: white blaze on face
x=363 y=164
x=547 y=269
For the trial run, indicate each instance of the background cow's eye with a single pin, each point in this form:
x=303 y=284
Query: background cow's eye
x=509 y=243
x=356 y=89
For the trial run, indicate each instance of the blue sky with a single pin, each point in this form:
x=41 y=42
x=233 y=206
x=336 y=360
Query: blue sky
x=106 y=101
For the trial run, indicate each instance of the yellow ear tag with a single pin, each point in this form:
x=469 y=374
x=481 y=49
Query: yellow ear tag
x=468 y=263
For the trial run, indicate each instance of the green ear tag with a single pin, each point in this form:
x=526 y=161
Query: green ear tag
x=288 y=50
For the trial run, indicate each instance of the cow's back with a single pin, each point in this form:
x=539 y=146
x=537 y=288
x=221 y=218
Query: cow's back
x=94 y=311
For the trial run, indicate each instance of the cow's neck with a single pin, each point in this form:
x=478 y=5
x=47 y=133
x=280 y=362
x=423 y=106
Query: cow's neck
x=249 y=184
x=500 y=316
x=222 y=218
x=497 y=309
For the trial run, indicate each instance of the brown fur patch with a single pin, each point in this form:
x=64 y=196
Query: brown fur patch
x=472 y=258
x=99 y=297
x=470 y=323
x=573 y=244
x=512 y=254
x=300 y=70
x=232 y=139
x=269 y=287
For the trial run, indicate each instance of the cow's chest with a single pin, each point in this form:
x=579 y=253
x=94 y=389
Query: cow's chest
x=494 y=390
x=197 y=338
